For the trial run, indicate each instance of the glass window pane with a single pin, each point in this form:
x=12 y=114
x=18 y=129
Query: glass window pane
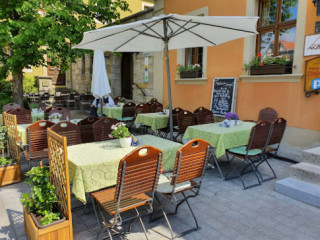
x=267 y=44
x=269 y=12
x=287 y=42
x=194 y=56
x=289 y=10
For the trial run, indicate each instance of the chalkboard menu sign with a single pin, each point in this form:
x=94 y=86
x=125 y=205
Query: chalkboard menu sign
x=223 y=98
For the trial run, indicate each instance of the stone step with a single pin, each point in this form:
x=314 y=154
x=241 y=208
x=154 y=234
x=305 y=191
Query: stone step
x=311 y=156
x=306 y=172
x=302 y=191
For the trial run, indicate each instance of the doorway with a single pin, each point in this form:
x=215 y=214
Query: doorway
x=126 y=75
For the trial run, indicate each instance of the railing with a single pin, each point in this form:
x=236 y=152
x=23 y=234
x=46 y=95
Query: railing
x=134 y=84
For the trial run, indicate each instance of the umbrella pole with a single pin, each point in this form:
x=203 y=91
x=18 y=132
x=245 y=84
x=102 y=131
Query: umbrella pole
x=101 y=101
x=166 y=51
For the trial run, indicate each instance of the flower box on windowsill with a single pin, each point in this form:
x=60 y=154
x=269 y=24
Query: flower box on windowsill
x=191 y=74
x=271 y=69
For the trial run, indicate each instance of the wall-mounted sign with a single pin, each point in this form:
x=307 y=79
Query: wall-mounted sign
x=312 y=45
x=312 y=76
x=146 y=69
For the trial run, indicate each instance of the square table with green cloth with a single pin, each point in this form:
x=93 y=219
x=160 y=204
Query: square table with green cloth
x=35 y=117
x=112 y=112
x=220 y=137
x=22 y=130
x=93 y=166
x=154 y=120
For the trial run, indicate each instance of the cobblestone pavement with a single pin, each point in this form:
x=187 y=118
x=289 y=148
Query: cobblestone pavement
x=223 y=209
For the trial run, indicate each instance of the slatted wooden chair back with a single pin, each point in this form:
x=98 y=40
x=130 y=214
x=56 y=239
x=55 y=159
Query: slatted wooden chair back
x=175 y=113
x=65 y=112
x=138 y=172
x=69 y=130
x=153 y=100
x=268 y=114
x=86 y=129
x=10 y=106
x=23 y=115
x=156 y=107
x=204 y=117
x=259 y=135
x=191 y=161
x=278 y=128
x=37 y=135
x=129 y=110
x=142 y=108
x=10 y=122
x=185 y=119
x=59 y=173
x=118 y=98
x=102 y=129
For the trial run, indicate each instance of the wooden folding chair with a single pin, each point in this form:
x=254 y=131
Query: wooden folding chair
x=142 y=108
x=86 y=129
x=185 y=119
x=128 y=113
x=23 y=115
x=156 y=107
x=138 y=174
x=165 y=131
x=268 y=114
x=277 y=130
x=251 y=153
x=69 y=130
x=37 y=143
x=188 y=172
x=204 y=117
x=102 y=129
x=10 y=106
x=65 y=112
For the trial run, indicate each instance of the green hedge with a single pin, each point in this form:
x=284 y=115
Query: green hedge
x=5 y=93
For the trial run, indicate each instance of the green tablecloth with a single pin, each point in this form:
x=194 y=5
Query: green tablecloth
x=93 y=166
x=112 y=112
x=221 y=138
x=35 y=117
x=154 y=120
x=22 y=130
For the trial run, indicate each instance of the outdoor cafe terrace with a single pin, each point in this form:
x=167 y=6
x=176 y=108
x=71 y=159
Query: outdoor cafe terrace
x=224 y=174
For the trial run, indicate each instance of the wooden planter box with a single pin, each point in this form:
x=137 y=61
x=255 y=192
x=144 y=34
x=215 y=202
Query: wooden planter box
x=56 y=231
x=10 y=174
x=271 y=69
x=191 y=74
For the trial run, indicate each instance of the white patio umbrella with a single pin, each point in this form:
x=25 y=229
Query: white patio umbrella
x=167 y=32
x=100 y=86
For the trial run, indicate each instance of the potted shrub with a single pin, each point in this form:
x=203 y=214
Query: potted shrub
x=190 y=71
x=42 y=218
x=34 y=107
x=269 y=65
x=120 y=131
x=9 y=169
x=121 y=102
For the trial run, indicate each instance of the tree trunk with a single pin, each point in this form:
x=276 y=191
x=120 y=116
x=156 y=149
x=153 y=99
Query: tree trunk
x=17 y=87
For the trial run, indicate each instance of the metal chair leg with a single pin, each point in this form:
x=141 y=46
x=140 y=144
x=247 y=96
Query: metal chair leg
x=95 y=212
x=168 y=223
x=141 y=223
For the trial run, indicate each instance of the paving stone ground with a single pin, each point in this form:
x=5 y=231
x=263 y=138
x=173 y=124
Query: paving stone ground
x=223 y=210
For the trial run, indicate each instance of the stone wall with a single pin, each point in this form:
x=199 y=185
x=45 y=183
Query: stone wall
x=81 y=77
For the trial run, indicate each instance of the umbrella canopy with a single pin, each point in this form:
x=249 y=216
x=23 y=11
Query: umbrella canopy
x=167 y=32
x=100 y=86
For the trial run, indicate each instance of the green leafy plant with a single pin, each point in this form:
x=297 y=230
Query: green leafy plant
x=5 y=92
x=34 y=105
x=120 y=130
x=5 y=161
x=49 y=217
x=42 y=198
x=122 y=100
x=3 y=139
x=30 y=84
x=182 y=68
x=258 y=61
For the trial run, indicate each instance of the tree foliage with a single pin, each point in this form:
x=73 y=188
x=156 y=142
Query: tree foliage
x=33 y=29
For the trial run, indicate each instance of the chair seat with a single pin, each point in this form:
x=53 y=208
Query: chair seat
x=125 y=119
x=164 y=185
x=242 y=151
x=105 y=198
x=36 y=155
